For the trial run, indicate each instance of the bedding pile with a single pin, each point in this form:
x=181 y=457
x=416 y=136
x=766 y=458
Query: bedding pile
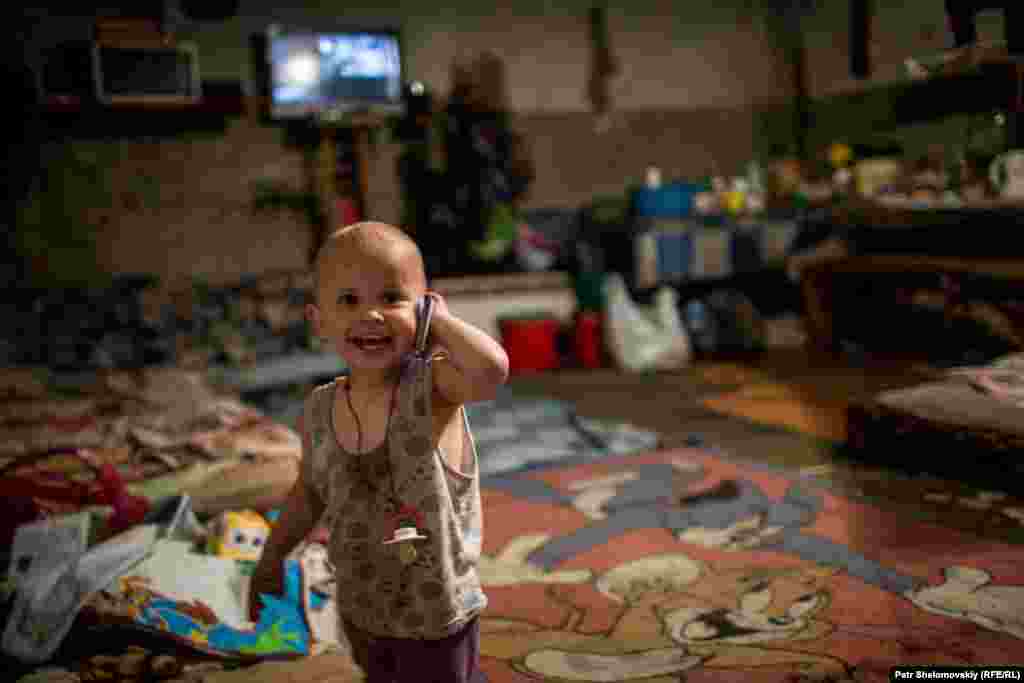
x=152 y=433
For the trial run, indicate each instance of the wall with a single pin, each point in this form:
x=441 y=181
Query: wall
x=899 y=29
x=710 y=55
x=693 y=84
x=860 y=110
x=198 y=218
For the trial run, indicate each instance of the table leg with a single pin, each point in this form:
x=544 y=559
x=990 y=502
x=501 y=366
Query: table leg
x=816 y=285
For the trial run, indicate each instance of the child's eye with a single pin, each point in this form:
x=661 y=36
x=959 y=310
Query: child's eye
x=392 y=298
x=348 y=299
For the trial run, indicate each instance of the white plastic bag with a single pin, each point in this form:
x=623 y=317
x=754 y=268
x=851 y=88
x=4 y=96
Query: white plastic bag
x=47 y=602
x=639 y=339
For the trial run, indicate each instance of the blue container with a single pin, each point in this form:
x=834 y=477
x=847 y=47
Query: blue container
x=672 y=200
x=675 y=254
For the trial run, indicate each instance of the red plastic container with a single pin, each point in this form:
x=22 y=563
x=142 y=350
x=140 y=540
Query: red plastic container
x=346 y=211
x=531 y=344
x=587 y=339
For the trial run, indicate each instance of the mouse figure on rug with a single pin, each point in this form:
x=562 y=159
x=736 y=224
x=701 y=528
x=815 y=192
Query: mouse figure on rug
x=390 y=466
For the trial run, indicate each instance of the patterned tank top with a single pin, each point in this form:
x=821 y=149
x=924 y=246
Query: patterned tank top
x=439 y=591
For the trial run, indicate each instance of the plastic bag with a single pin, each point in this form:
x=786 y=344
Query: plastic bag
x=638 y=339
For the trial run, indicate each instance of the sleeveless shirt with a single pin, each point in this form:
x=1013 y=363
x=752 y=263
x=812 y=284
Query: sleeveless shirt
x=439 y=592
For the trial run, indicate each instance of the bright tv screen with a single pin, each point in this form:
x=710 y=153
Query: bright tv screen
x=315 y=74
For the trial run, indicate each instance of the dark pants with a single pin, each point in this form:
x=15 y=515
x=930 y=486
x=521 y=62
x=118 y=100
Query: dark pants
x=453 y=659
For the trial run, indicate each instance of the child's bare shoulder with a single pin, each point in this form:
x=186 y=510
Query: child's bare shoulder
x=316 y=411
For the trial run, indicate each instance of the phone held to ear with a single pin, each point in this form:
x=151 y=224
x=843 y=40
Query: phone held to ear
x=424 y=309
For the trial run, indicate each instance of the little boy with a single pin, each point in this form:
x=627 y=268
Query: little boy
x=390 y=464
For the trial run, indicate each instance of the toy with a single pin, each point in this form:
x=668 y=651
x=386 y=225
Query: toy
x=238 y=535
x=198 y=617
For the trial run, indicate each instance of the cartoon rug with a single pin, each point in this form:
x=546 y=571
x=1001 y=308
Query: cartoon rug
x=617 y=570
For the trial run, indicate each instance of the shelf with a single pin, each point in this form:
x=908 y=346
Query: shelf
x=1002 y=268
x=878 y=214
x=984 y=87
x=211 y=105
x=981 y=88
x=959 y=61
x=72 y=117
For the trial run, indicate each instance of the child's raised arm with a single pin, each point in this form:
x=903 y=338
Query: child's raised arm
x=477 y=365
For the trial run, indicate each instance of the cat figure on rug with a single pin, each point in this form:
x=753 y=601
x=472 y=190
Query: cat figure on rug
x=967 y=594
x=740 y=517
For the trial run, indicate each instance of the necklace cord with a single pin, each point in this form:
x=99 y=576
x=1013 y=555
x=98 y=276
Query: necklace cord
x=387 y=437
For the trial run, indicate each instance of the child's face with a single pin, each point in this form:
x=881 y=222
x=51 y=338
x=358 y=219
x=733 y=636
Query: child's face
x=366 y=307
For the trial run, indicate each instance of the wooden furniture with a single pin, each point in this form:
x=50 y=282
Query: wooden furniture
x=956 y=251
x=327 y=186
x=819 y=282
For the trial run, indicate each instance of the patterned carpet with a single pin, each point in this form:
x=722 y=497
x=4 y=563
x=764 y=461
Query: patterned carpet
x=608 y=572
x=637 y=530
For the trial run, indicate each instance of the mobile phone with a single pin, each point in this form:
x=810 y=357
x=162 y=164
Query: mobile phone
x=424 y=309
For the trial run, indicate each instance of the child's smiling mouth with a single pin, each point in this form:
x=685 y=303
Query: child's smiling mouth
x=371 y=342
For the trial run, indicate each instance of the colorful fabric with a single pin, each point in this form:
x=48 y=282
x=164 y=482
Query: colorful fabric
x=158 y=428
x=162 y=595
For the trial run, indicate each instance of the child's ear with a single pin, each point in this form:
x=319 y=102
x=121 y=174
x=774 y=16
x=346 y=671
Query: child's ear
x=313 y=316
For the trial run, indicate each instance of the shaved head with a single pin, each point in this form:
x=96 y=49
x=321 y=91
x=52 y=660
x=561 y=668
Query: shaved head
x=368 y=240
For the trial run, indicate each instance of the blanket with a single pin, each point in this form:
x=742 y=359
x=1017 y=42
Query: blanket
x=165 y=431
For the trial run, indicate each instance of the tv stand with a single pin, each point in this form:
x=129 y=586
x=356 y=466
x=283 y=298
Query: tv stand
x=362 y=125
x=342 y=118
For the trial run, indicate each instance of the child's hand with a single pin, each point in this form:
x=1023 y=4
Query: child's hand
x=440 y=305
x=478 y=363
x=440 y=309
x=267 y=580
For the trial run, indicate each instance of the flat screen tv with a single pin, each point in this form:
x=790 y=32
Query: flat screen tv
x=324 y=74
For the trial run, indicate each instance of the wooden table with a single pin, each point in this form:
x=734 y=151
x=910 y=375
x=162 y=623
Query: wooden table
x=818 y=281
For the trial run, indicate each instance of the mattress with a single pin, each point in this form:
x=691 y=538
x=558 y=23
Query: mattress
x=971 y=417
